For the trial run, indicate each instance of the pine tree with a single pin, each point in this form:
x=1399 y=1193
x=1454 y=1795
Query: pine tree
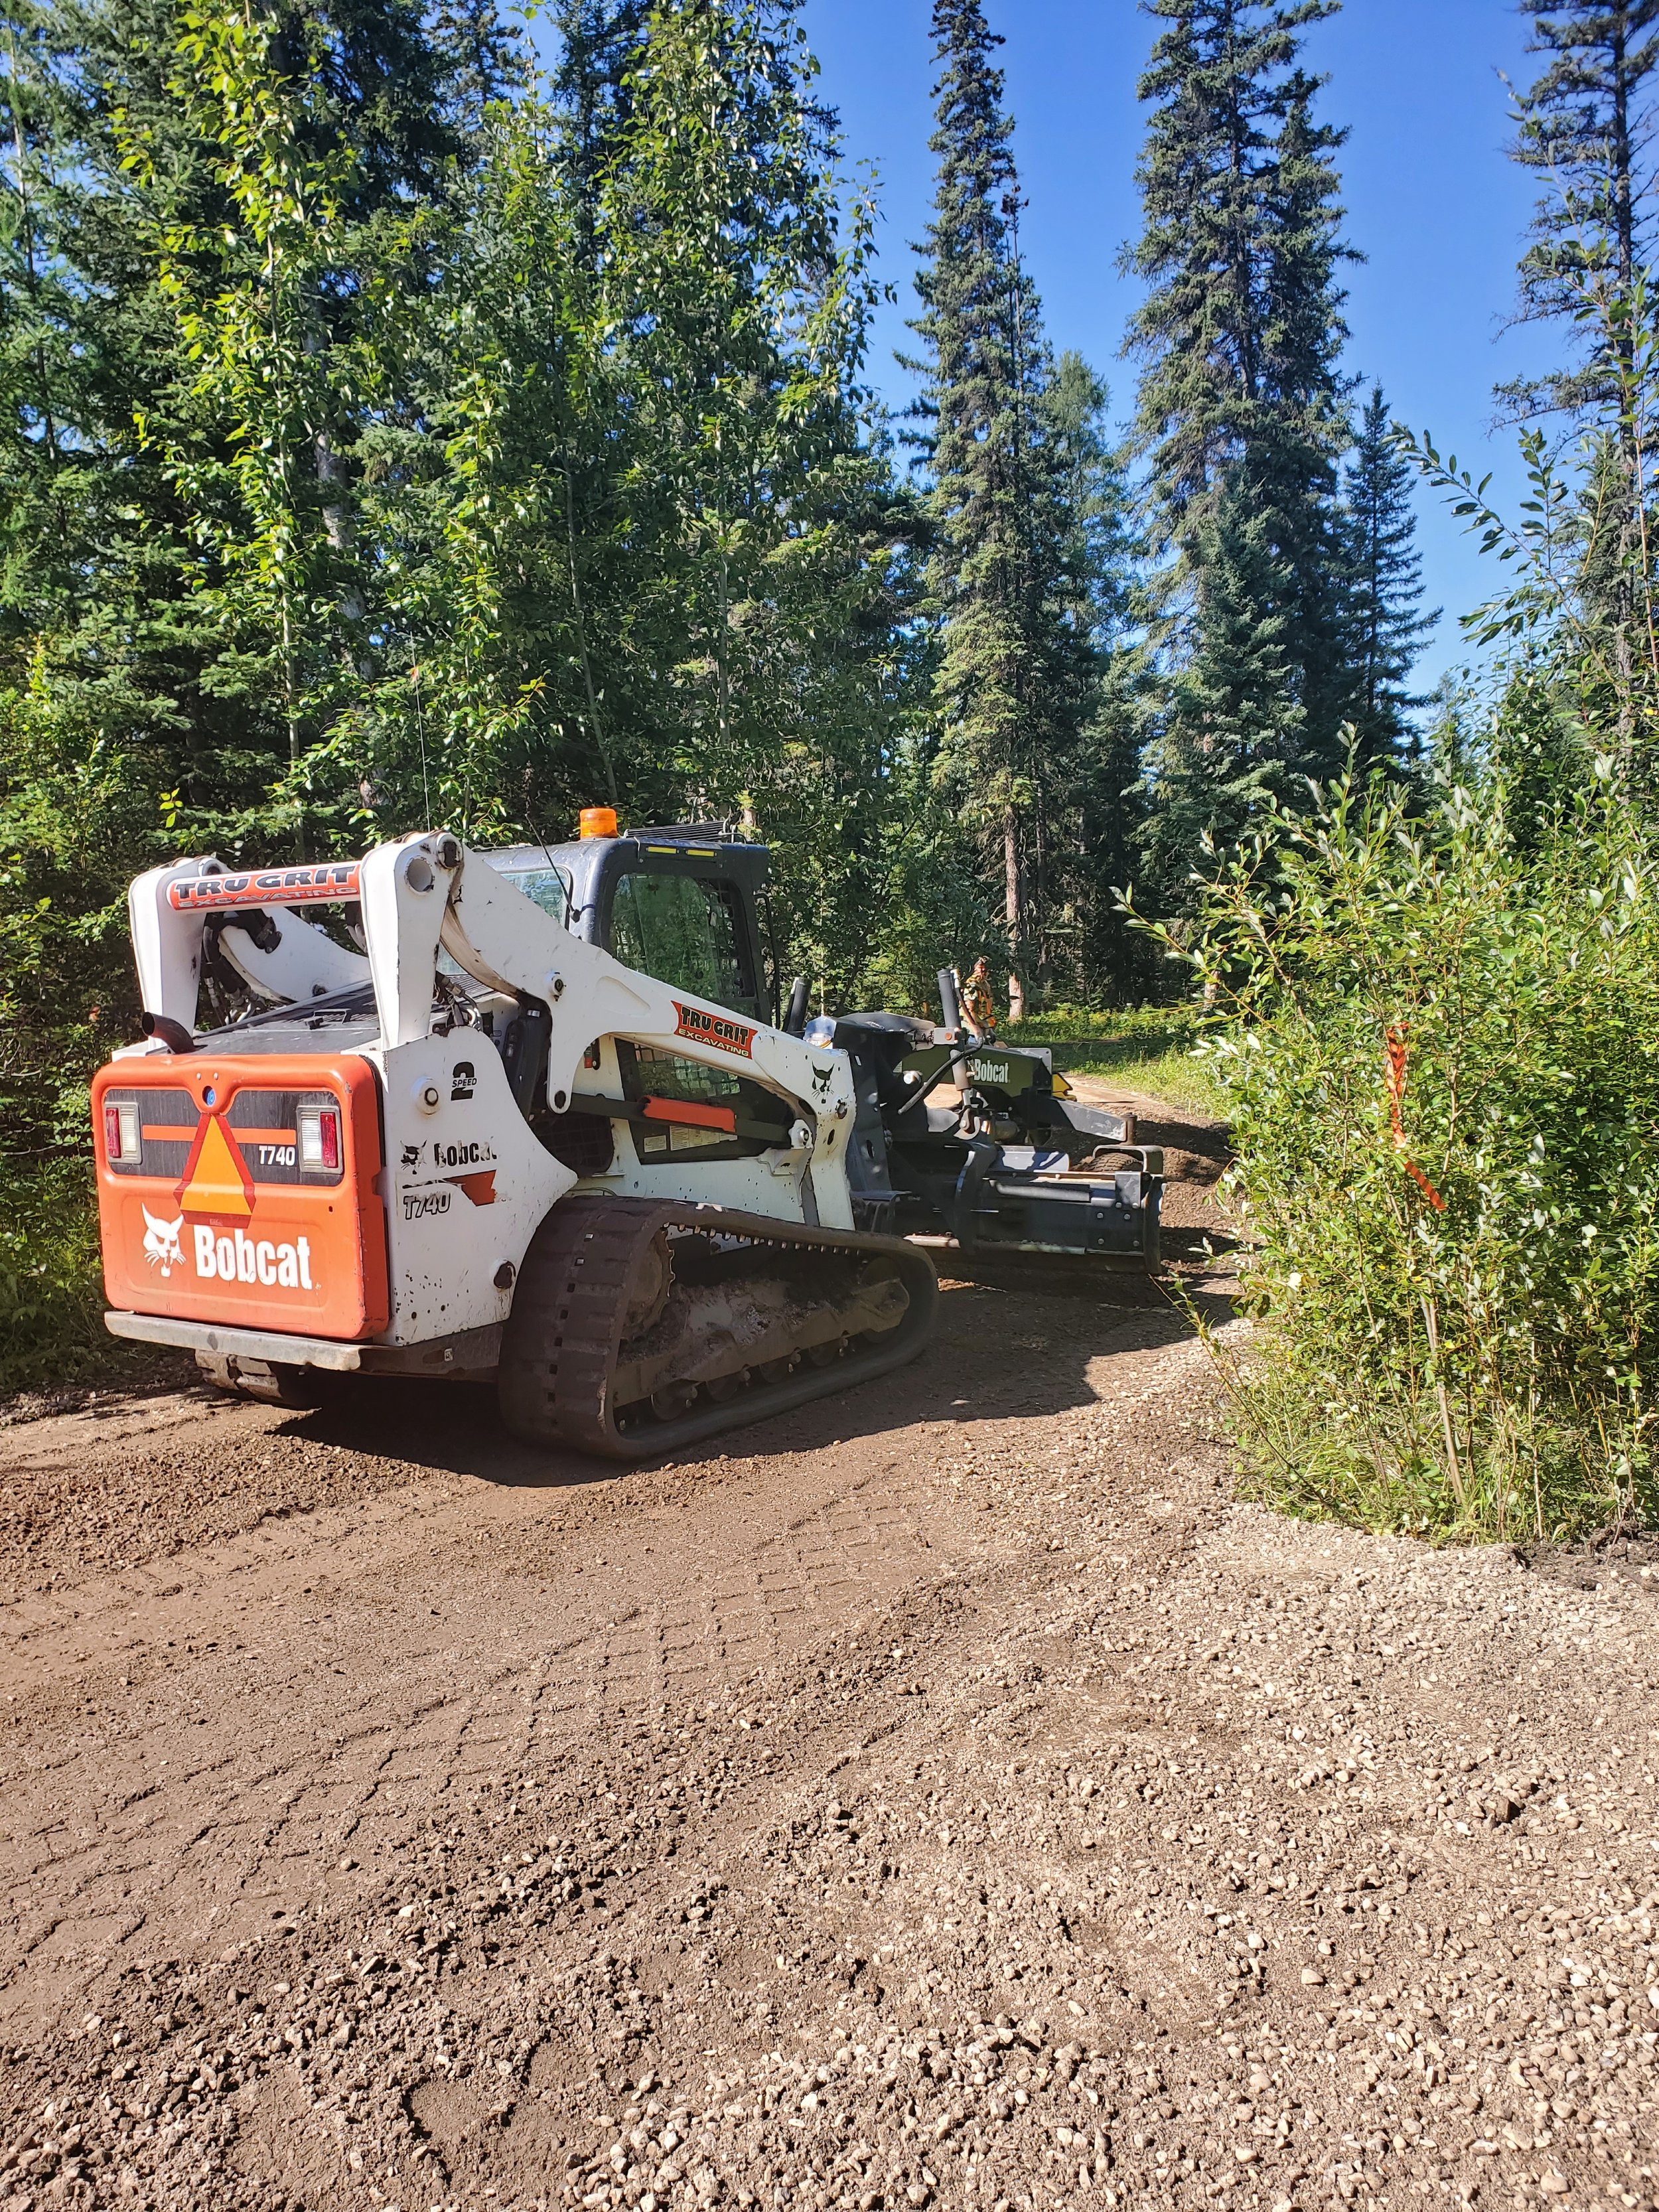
x=1585 y=126
x=1232 y=720
x=1582 y=126
x=600 y=44
x=1241 y=409
x=1015 y=674
x=1383 y=579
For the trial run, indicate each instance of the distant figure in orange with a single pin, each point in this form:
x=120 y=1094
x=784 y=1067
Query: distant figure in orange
x=978 y=1007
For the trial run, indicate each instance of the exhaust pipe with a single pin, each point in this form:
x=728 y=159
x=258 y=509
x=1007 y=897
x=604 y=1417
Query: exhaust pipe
x=173 y=1034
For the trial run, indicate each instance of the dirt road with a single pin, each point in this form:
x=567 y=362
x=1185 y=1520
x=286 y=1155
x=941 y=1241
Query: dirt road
x=952 y=1797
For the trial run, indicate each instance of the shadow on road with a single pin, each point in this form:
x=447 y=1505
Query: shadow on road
x=1014 y=1339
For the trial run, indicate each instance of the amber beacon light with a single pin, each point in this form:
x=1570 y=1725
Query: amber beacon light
x=599 y=822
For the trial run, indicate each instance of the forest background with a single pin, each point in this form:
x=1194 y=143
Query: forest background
x=397 y=432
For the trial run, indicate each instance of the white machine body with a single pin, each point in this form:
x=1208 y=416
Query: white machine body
x=465 y=1182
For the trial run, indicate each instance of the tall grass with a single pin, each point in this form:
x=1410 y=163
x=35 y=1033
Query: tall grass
x=1439 y=1042
x=1150 y=1049
x=50 y=1276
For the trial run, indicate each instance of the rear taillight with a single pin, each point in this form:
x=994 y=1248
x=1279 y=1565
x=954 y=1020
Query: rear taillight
x=320 y=1137
x=121 y=1133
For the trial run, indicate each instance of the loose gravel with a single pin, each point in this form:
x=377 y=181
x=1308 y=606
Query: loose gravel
x=1100 y=1841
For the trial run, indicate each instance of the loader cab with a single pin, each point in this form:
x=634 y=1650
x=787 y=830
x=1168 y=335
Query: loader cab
x=677 y=903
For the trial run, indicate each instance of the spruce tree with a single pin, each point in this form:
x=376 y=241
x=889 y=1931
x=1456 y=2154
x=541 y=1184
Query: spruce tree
x=1584 y=127
x=751 y=585
x=1233 y=720
x=1096 y=812
x=1241 y=326
x=1382 y=575
x=1241 y=411
x=1293 y=451
x=148 y=701
x=291 y=178
x=1014 y=674
x=601 y=43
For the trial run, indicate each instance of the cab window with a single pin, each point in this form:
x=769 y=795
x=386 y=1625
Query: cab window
x=683 y=930
x=549 y=887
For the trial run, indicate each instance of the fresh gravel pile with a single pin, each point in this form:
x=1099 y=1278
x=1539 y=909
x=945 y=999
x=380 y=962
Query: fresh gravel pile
x=1152 y=1849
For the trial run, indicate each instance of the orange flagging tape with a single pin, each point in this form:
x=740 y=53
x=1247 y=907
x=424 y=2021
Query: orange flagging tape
x=1395 y=1064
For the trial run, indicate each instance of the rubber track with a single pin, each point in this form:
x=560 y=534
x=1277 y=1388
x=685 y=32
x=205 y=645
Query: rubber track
x=560 y=1345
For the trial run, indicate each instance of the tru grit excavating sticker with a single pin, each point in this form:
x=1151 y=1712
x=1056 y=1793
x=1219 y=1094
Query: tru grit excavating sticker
x=715 y=1029
x=333 y=879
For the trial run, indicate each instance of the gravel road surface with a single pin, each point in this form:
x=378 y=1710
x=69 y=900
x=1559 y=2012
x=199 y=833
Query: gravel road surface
x=951 y=1797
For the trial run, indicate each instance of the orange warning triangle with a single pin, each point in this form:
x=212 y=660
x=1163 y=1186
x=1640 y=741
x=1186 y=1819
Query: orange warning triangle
x=216 y=1180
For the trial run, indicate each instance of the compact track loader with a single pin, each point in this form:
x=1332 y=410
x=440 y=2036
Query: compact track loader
x=521 y=1115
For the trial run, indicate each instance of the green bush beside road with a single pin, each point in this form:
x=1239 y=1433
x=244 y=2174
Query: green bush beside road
x=51 y=1278
x=1454 y=1269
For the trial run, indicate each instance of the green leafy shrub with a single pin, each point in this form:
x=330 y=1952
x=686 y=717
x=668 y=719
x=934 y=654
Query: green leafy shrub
x=52 y=1297
x=1455 y=1263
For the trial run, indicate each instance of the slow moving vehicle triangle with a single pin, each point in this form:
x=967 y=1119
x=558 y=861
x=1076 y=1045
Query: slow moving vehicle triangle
x=216 y=1178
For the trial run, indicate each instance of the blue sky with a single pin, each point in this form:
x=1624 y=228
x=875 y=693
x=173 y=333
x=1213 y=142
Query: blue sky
x=1432 y=203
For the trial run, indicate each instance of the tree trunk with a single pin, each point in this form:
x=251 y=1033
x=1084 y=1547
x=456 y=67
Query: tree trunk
x=1016 y=914
x=340 y=527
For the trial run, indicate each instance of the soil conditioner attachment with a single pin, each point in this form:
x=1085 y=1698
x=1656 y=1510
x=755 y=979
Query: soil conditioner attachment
x=522 y=1115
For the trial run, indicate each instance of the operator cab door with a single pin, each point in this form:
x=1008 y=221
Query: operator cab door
x=660 y=913
x=683 y=913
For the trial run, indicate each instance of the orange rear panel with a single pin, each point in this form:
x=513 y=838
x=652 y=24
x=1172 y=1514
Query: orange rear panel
x=218 y=1218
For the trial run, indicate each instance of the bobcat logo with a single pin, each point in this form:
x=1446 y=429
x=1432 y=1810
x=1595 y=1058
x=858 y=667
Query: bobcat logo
x=821 y=1078
x=162 y=1247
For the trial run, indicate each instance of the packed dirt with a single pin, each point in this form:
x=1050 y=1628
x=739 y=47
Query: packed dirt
x=951 y=1797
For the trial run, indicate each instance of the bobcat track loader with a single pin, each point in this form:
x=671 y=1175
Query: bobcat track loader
x=482 y=1144
x=534 y=1123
